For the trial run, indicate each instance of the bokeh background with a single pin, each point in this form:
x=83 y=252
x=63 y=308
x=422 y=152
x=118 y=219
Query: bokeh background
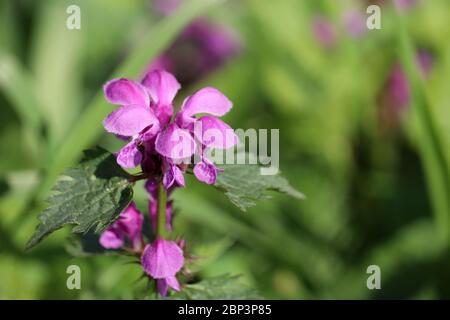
x=364 y=133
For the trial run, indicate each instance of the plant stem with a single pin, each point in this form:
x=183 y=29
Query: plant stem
x=430 y=137
x=161 y=231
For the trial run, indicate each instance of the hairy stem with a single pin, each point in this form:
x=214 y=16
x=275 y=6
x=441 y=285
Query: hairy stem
x=161 y=218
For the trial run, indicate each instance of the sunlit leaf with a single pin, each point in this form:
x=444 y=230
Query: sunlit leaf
x=244 y=185
x=90 y=195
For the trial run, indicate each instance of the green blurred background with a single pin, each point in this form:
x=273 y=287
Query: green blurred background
x=376 y=175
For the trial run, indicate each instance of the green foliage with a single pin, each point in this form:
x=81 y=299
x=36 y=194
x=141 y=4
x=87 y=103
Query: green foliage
x=375 y=196
x=224 y=287
x=244 y=184
x=90 y=195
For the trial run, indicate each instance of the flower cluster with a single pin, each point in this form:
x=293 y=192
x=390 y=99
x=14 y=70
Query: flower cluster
x=164 y=146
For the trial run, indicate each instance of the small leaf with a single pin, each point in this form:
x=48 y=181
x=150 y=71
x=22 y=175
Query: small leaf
x=91 y=195
x=244 y=185
x=224 y=287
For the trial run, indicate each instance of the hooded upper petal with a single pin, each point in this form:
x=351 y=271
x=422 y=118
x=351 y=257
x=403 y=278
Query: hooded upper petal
x=162 y=86
x=164 y=284
x=129 y=225
x=175 y=143
x=131 y=220
x=173 y=174
x=162 y=259
x=129 y=156
x=214 y=133
x=207 y=100
x=111 y=239
x=125 y=92
x=206 y=172
x=162 y=287
x=129 y=120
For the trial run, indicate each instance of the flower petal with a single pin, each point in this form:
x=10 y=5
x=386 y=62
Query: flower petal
x=173 y=174
x=162 y=259
x=129 y=120
x=162 y=86
x=173 y=283
x=162 y=287
x=129 y=156
x=126 y=92
x=164 y=284
x=130 y=222
x=207 y=100
x=206 y=172
x=111 y=239
x=175 y=143
x=214 y=133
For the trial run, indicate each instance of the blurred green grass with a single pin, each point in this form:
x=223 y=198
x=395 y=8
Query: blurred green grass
x=374 y=196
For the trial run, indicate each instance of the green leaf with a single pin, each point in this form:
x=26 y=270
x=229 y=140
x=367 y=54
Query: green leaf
x=244 y=185
x=90 y=195
x=224 y=287
x=17 y=85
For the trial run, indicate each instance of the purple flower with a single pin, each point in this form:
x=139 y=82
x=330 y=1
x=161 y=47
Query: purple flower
x=128 y=226
x=355 y=23
x=398 y=87
x=163 y=145
x=324 y=32
x=145 y=117
x=164 y=284
x=145 y=109
x=189 y=135
x=405 y=4
x=166 y=7
x=135 y=119
x=425 y=61
x=399 y=91
x=201 y=47
x=162 y=260
x=396 y=94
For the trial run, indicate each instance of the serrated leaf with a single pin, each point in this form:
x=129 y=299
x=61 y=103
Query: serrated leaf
x=90 y=195
x=224 y=287
x=244 y=185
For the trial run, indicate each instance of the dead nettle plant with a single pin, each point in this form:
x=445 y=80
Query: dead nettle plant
x=97 y=194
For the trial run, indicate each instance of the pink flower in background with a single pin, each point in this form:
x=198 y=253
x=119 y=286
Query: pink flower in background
x=396 y=94
x=128 y=226
x=405 y=4
x=202 y=47
x=324 y=32
x=399 y=91
x=398 y=87
x=425 y=61
x=355 y=23
x=162 y=260
x=166 y=7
